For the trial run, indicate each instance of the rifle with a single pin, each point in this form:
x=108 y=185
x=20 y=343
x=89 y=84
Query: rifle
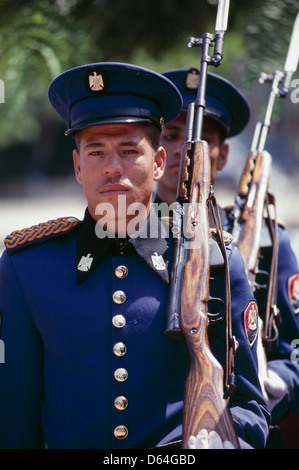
x=254 y=212
x=205 y=399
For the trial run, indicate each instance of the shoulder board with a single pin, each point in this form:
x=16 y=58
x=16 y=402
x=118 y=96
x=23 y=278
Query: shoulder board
x=227 y=237
x=36 y=233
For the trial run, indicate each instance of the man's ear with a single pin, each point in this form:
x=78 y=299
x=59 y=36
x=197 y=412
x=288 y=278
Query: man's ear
x=77 y=166
x=159 y=163
x=222 y=159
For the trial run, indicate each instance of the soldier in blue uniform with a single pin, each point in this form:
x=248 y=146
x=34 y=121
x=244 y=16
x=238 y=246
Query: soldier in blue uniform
x=87 y=363
x=226 y=115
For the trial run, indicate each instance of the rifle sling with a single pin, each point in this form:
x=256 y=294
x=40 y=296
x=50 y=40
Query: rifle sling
x=272 y=318
x=229 y=377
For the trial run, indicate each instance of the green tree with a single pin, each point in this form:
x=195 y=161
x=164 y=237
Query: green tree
x=38 y=40
x=41 y=38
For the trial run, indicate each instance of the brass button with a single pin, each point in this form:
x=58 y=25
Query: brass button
x=119 y=349
x=121 y=403
x=121 y=374
x=121 y=271
x=119 y=297
x=118 y=321
x=121 y=432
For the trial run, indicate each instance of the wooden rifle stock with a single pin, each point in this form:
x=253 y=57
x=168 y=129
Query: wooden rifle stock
x=204 y=404
x=247 y=175
x=256 y=188
x=254 y=201
x=258 y=196
x=258 y=200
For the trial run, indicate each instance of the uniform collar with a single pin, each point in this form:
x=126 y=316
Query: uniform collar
x=149 y=243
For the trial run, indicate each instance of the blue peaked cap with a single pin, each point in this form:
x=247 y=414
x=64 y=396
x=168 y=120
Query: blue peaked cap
x=111 y=93
x=224 y=102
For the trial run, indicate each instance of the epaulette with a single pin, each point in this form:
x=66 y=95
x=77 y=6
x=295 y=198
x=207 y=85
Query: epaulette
x=37 y=233
x=227 y=237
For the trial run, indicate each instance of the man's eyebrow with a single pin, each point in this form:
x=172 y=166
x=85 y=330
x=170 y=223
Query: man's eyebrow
x=93 y=144
x=127 y=143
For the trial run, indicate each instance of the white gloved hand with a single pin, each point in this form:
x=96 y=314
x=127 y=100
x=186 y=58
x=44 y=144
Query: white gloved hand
x=276 y=389
x=208 y=440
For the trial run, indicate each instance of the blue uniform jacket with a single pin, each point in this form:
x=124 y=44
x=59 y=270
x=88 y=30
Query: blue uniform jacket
x=284 y=360
x=87 y=364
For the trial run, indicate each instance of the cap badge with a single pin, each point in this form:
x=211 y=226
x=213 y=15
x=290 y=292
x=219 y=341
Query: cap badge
x=85 y=263
x=95 y=81
x=191 y=80
x=158 y=262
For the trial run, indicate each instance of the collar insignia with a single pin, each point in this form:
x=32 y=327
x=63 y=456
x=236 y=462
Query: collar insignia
x=158 y=262
x=85 y=263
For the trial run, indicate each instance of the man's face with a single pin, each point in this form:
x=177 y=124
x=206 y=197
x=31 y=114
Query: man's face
x=117 y=160
x=173 y=138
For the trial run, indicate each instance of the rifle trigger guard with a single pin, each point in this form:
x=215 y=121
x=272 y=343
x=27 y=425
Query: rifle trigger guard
x=215 y=315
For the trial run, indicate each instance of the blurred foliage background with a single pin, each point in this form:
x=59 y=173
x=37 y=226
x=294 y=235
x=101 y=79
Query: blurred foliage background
x=41 y=38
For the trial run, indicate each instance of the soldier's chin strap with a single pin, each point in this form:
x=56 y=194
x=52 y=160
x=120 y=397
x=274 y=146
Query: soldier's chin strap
x=231 y=345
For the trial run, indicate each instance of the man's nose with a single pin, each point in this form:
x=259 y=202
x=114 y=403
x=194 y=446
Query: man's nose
x=113 y=164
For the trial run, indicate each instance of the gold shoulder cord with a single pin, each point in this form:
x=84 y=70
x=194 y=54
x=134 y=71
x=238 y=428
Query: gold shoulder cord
x=36 y=232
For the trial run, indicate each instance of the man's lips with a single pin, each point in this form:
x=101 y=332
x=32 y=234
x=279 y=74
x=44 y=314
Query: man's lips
x=113 y=188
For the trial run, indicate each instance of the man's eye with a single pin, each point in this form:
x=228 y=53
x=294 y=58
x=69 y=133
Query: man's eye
x=96 y=153
x=130 y=152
